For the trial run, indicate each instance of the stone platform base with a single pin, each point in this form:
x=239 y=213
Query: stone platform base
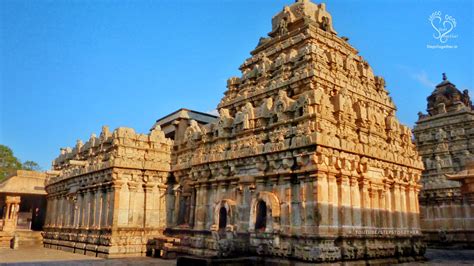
x=95 y=250
x=105 y=243
x=5 y=239
x=263 y=261
x=366 y=250
x=451 y=239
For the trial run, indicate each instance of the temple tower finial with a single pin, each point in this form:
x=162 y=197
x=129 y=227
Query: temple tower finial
x=444 y=76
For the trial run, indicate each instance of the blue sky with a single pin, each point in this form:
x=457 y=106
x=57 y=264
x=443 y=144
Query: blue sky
x=69 y=67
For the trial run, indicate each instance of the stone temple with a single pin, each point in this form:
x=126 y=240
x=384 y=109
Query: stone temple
x=106 y=197
x=306 y=161
x=445 y=139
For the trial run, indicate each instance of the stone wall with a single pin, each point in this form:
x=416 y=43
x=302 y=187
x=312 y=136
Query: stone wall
x=107 y=197
x=445 y=139
x=307 y=160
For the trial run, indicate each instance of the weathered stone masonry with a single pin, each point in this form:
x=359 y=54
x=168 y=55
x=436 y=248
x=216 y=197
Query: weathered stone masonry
x=108 y=195
x=307 y=160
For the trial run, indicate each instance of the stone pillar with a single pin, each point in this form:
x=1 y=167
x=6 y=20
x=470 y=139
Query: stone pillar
x=62 y=211
x=333 y=204
x=92 y=200
x=98 y=207
x=397 y=221
x=295 y=216
x=417 y=206
x=77 y=222
x=403 y=207
x=84 y=209
x=52 y=214
x=48 y=211
x=345 y=219
x=388 y=206
x=120 y=204
x=355 y=203
x=88 y=209
x=72 y=212
x=170 y=203
x=162 y=211
x=192 y=208
x=309 y=206
x=381 y=211
x=114 y=203
x=365 y=202
x=6 y=215
x=105 y=207
x=150 y=213
x=411 y=210
x=285 y=196
x=57 y=211
x=177 y=202
x=210 y=205
x=322 y=195
x=243 y=206
x=137 y=203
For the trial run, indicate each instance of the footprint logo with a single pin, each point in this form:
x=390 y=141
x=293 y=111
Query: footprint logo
x=442 y=26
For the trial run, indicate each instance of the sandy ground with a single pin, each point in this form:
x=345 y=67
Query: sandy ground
x=44 y=256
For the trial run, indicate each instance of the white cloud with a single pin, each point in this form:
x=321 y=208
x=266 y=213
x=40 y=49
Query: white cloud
x=213 y=112
x=423 y=79
x=419 y=75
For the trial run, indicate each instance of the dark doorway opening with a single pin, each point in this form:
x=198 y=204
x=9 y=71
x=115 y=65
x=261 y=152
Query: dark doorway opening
x=261 y=221
x=222 y=218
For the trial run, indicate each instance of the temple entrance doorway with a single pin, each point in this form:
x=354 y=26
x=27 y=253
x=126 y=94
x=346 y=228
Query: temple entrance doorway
x=261 y=221
x=222 y=218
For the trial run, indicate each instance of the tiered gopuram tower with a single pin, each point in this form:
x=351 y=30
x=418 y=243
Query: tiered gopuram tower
x=445 y=139
x=307 y=160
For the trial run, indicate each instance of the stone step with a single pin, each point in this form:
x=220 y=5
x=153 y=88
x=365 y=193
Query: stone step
x=5 y=238
x=29 y=238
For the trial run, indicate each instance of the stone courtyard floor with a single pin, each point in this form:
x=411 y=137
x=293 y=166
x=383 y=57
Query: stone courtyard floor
x=44 y=256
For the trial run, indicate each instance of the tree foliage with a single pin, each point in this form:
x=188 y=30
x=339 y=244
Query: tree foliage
x=9 y=163
x=30 y=165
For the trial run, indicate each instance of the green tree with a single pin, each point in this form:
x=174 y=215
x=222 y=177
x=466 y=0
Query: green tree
x=8 y=162
x=30 y=165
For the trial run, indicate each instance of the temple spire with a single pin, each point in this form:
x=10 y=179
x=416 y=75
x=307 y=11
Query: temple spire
x=444 y=76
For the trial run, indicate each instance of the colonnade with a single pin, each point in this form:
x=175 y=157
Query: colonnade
x=90 y=208
x=321 y=203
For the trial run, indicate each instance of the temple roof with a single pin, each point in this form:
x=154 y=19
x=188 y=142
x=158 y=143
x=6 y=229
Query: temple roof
x=24 y=182
x=446 y=97
x=291 y=15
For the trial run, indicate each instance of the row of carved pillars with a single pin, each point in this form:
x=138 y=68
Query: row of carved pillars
x=456 y=215
x=105 y=206
x=323 y=201
x=141 y=204
x=356 y=202
x=90 y=208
